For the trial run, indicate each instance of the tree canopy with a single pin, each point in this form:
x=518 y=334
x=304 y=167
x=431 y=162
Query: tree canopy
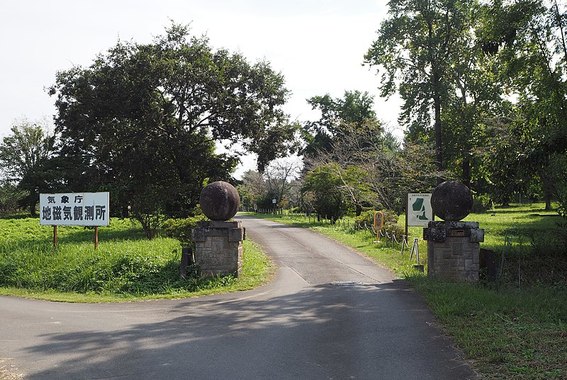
x=24 y=158
x=144 y=119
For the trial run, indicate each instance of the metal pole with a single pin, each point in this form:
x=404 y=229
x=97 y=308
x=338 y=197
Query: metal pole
x=407 y=215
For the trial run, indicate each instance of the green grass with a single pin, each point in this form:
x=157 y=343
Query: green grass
x=509 y=333
x=125 y=266
x=511 y=329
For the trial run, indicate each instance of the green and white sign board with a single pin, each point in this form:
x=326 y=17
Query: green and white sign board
x=419 y=211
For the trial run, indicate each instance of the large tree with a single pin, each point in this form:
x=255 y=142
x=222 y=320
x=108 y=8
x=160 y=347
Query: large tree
x=528 y=40
x=143 y=120
x=338 y=117
x=278 y=181
x=24 y=158
x=416 y=51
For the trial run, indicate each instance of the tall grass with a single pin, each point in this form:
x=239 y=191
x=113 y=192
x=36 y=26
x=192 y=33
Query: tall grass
x=125 y=265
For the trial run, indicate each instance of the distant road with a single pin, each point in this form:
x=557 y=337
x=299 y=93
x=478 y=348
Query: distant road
x=329 y=314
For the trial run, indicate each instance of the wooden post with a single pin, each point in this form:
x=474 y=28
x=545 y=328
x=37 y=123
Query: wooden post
x=96 y=237
x=55 y=235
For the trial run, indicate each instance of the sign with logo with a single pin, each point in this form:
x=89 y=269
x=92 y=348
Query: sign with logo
x=74 y=209
x=419 y=211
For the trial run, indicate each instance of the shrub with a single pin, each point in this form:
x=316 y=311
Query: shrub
x=180 y=229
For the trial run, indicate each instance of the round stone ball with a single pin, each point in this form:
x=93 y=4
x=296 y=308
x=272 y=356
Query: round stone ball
x=219 y=201
x=451 y=201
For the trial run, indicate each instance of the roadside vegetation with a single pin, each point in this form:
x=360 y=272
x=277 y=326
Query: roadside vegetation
x=512 y=327
x=125 y=267
x=483 y=91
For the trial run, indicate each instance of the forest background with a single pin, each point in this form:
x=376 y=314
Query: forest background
x=483 y=91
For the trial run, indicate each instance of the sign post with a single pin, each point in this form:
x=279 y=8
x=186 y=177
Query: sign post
x=96 y=237
x=55 y=236
x=74 y=209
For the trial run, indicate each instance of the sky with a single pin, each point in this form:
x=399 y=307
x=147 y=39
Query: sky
x=318 y=45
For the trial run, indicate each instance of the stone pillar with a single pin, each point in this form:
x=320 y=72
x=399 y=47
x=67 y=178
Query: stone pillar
x=453 y=246
x=218 y=243
x=453 y=250
x=218 y=247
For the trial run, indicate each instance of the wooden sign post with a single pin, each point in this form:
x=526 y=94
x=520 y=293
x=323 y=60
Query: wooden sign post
x=96 y=237
x=55 y=236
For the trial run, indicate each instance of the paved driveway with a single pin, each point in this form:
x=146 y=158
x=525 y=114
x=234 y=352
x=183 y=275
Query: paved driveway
x=329 y=314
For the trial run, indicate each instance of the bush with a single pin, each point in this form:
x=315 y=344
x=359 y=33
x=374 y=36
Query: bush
x=366 y=219
x=394 y=229
x=180 y=229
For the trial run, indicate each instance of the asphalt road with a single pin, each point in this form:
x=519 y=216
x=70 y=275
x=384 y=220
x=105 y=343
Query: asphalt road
x=329 y=314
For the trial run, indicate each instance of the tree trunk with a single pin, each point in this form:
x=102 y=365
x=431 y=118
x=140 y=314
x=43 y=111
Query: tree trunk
x=466 y=167
x=437 y=126
x=32 y=206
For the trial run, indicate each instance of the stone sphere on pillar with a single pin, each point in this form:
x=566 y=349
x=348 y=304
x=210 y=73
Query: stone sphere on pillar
x=219 y=201
x=451 y=201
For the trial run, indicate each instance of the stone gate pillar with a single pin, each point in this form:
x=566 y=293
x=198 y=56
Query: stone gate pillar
x=218 y=247
x=453 y=246
x=218 y=243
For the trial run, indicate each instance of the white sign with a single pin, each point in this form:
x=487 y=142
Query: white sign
x=419 y=211
x=74 y=209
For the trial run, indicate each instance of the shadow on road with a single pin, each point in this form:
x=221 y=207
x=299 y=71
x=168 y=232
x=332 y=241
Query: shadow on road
x=341 y=331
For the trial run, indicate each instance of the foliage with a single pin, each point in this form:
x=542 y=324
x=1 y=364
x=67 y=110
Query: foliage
x=278 y=181
x=24 y=157
x=390 y=227
x=322 y=187
x=417 y=46
x=180 y=229
x=366 y=219
x=142 y=122
x=338 y=116
x=559 y=170
x=9 y=196
x=481 y=203
x=527 y=40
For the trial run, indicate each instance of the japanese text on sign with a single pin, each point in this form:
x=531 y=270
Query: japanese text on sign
x=74 y=209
